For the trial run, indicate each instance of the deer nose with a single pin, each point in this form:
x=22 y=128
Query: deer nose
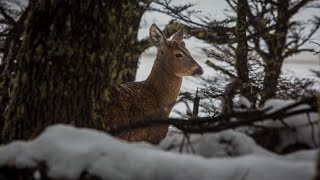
x=198 y=72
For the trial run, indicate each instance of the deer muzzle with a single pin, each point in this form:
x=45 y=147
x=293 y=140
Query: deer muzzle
x=198 y=71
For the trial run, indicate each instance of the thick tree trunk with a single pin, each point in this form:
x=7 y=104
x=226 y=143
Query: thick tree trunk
x=72 y=51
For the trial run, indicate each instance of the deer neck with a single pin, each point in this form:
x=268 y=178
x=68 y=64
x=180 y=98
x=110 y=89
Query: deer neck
x=166 y=85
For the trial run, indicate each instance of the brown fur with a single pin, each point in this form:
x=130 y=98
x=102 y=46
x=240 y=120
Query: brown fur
x=157 y=94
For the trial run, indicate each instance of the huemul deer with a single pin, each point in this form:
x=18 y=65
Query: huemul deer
x=158 y=93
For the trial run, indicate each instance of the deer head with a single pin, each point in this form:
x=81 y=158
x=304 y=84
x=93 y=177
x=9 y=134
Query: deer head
x=173 y=56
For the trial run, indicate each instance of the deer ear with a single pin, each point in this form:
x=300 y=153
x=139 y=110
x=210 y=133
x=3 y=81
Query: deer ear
x=178 y=36
x=156 y=36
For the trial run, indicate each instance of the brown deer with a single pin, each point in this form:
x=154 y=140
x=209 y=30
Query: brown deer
x=158 y=93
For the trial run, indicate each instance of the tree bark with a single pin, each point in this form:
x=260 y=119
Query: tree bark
x=130 y=47
x=270 y=82
x=276 y=45
x=241 y=64
x=71 y=52
x=8 y=66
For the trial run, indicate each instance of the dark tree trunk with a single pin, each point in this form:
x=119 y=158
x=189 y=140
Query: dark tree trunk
x=241 y=63
x=130 y=48
x=72 y=51
x=8 y=66
x=276 y=45
x=270 y=83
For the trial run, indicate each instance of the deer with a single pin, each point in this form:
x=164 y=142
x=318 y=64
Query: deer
x=157 y=94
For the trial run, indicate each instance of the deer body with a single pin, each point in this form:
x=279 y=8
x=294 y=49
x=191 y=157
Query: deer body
x=157 y=94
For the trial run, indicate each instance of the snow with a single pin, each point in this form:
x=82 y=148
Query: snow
x=306 y=155
x=243 y=103
x=68 y=151
x=300 y=129
x=276 y=104
x=15 y=7
x=227 y=143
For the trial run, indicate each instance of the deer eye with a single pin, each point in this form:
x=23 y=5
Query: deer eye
x=179 y=56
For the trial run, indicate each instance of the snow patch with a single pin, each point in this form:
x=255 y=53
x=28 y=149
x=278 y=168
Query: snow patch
x=303 y=129
x=224 y=144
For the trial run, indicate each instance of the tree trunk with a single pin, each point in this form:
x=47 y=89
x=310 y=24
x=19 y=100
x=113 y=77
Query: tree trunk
x=241 y=63
x=8 y=66
x=277 y=45
x=270 y=82
x=130 y=47
x=72 y=51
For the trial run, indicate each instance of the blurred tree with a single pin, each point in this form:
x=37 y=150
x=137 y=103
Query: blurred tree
x=71 y=52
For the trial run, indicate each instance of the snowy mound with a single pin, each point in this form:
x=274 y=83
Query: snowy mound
x=69 y=151
x=223 y=144
x=303 y=128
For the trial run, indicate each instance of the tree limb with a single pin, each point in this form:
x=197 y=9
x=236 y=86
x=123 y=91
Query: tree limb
x=218 y=123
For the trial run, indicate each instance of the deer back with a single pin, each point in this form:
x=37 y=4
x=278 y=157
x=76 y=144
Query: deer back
x=131 y=102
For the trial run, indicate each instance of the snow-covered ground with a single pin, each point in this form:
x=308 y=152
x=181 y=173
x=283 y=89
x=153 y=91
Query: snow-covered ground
x=299 y=129
x=69 y=151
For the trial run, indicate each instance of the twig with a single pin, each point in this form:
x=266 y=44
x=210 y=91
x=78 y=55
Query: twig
x=196 y=102
x=316 y=52
x=182 y=143
x=190 y=144
x=285 y=124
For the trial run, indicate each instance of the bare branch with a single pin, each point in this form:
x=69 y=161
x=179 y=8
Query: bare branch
x=298 y=6
x=290 y=52
x=176 y=11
